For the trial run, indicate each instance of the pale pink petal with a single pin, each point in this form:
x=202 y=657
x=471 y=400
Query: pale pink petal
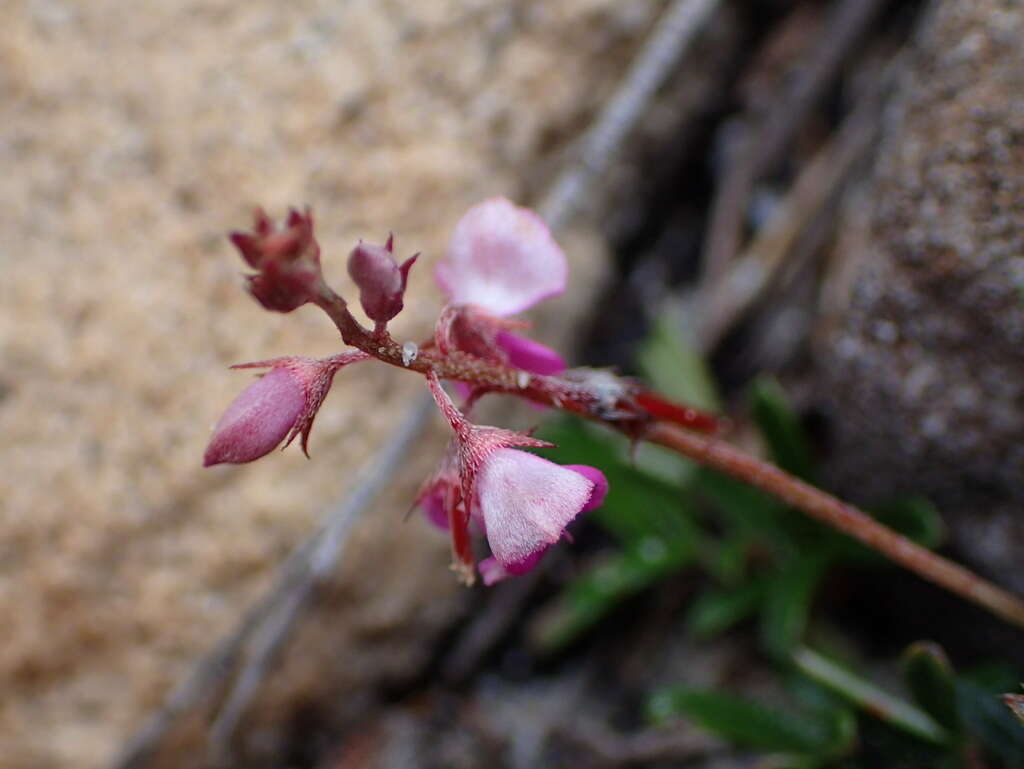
x=258 y=419
x=530 y=355
x=502 y=258
x=492 y=572
x=600 y=482
x=527 y=502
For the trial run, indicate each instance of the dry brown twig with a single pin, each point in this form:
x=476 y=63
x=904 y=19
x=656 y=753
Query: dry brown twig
x=760 y=152
x=725 y=297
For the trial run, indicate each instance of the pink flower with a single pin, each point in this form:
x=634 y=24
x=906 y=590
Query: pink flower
x=287 y=260
x=502 y=258
x=495 y=569
x=501 y=261
x=280 y=404
x=524 y=502
x=380 y=279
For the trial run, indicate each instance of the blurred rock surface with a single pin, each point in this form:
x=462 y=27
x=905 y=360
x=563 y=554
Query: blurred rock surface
x=923 y=365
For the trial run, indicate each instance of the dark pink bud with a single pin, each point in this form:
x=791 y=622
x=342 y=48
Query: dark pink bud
x=380 y=279
x=278 y=406
x=287 y=260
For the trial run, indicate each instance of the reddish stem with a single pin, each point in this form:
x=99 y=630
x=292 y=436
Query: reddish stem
x=567 y=395
x=841 y=516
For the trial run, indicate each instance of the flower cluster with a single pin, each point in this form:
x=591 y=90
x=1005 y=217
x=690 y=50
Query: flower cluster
x=501 y=261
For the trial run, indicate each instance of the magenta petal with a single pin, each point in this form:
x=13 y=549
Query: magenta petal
x=492 y=572
x=600 y=482
x=433 y=509
x=502 y=258
x=462 y=389
x=519 y=568
x=258 y=419
x=530 y=355
x=526 y=502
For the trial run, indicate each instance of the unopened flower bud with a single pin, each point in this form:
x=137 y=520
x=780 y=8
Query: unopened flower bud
x=381 y=280
x=281 y=404
x=287 y=260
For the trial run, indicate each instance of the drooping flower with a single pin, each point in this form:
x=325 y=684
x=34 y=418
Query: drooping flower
x=380 y=279
x=523 y=502
x=278 y=406
x=287 y=260
x=501 y=261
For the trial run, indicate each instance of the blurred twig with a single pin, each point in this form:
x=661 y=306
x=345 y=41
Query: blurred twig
x=725 y=297
x=315 y=564
x=675 y=30
x=758 y=153
x=267 y=625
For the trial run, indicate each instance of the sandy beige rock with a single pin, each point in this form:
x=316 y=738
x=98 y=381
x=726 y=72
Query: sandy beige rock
x=132 y=135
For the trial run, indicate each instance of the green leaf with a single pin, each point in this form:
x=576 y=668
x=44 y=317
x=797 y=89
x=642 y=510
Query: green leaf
x=913 y=517
x=750 y=512
x=931 y=682
x=889 y=708
x=780 y=427
x=743 y=722
x=787 y=606
x=715 y=611
x=601 y=588
x=986 y=717
x=674 y=367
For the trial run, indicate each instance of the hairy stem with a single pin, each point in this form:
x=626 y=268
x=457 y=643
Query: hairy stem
x=841 y=516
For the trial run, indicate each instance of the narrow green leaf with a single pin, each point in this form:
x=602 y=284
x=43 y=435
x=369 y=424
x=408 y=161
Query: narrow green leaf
x=740 y=721
x=914 y=517
x=601 y=588
x=674 y=367
x=787 y=606
x=780 y=427
x=715 y=611
x=881 y=704
x=931 y=682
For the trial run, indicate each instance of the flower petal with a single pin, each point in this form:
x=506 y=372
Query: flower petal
x=530 y=355
x=600 y=482
x=502 y=258
x=434 y=510
x=527 y=502
x=491 y=571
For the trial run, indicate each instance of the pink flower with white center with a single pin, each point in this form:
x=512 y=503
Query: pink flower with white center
x=501 y=261
x=524 y=501
x=280 y=405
